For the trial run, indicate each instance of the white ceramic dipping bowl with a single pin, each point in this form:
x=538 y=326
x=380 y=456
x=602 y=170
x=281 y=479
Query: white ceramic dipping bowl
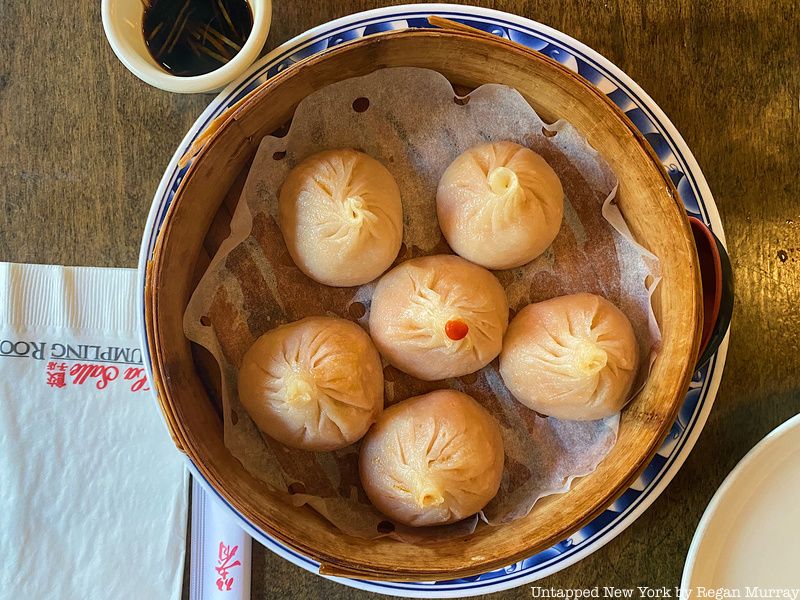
x=122 y=22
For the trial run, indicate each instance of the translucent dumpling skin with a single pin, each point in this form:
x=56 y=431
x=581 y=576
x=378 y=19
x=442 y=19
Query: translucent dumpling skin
x=341 y=217
x=439 y=316
x=315 y=384
x=432 y=459
x=499 y=205
x=572 y=357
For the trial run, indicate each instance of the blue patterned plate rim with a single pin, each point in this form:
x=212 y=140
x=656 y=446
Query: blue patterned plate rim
x=671 y=149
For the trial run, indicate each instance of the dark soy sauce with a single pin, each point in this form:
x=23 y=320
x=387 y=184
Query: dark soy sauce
x=194 y=37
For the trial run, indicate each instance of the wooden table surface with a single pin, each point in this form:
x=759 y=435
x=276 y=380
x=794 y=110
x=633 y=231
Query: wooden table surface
x=83 y=144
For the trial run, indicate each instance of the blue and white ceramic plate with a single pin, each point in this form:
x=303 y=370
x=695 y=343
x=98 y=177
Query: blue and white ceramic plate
x=672 y=151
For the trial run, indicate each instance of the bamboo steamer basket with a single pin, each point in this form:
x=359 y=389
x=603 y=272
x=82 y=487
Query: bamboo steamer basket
x=186 y=376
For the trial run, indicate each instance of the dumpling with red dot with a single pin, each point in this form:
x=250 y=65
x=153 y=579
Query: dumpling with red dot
x=438 y=316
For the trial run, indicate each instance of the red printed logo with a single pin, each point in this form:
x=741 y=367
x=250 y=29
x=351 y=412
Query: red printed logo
x=98 y=374
x=225 y=562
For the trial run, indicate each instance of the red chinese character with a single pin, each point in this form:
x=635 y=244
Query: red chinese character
x=225 y=556
x=51 y=366
x=56 y=379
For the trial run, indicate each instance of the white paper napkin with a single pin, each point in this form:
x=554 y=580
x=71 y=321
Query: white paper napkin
x=93 y=494
x=220 y=561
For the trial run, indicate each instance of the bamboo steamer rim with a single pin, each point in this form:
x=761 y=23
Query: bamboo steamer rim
x=159 y=344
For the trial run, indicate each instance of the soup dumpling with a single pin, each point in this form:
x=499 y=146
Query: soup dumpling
x=438 y=316
x=572 y=357
x=314 y=384
x=432 y=459
x=341 y=217
x=500 y=205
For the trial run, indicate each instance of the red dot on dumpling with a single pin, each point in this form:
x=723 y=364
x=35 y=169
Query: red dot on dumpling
x=456 y=330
